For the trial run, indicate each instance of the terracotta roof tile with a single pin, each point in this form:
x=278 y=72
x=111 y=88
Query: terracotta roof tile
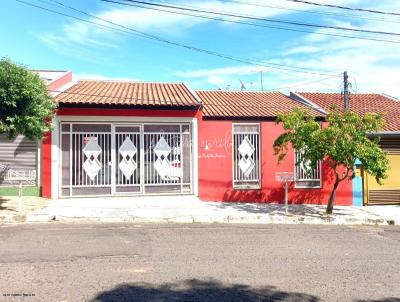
x=128 y=93
x=246 y=104
x=361 y=103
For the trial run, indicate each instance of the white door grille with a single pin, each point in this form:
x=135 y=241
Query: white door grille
x=84 y=177
x=127 y=163
x=304 y=175
x=246 y=156
x=163 y=162
x=125 y=159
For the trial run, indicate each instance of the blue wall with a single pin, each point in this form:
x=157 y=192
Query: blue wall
x=357 y=188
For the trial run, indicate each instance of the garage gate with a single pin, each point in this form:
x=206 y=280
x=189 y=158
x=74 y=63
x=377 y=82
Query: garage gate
x=389 y=191
x=125 y=159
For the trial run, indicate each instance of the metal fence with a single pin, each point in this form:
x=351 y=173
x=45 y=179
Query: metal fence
x=305 y=176
x=122 y=159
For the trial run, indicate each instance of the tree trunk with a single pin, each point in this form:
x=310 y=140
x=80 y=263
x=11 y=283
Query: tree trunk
x=329 y=208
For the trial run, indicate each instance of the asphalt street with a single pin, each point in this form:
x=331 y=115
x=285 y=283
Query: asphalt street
x=172 y=262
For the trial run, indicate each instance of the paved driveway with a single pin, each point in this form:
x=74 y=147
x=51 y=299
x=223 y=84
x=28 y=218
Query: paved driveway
x=131 y=262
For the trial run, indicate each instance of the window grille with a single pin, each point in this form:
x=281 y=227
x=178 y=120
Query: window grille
x=246 y=156
x=305 y=177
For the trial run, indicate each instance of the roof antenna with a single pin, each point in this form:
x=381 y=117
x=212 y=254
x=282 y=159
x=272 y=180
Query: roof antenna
x=346 y=93
x=242 y=86
x=227 y=87
x=261 y=71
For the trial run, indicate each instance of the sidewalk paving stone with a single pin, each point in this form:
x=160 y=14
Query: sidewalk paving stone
x=189 y=209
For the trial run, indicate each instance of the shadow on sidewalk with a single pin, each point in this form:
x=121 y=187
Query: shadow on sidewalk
x=198 y=290
x=5 y=201
x=278 y=209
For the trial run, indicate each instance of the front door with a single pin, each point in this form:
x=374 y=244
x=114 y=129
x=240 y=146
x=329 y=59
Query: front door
x=125 y=159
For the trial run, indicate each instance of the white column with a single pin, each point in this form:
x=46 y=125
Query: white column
x=55 y=154
x=195 y=153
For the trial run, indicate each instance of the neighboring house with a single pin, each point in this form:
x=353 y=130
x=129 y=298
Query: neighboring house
x=21 y=154
x=365 y=188
x=133 y=138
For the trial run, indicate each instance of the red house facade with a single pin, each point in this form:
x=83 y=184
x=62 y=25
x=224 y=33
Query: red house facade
x=132 y=138
x=227 y=119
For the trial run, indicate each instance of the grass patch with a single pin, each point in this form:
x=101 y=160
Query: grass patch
x=26 y=191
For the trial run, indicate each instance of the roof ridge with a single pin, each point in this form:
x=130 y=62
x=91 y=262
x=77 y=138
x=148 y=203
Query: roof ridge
x=129 y=81
x=238 y=91
x=353 y=93
x=49 y=70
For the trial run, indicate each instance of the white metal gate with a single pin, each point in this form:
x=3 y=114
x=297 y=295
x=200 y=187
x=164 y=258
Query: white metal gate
x=115 y=159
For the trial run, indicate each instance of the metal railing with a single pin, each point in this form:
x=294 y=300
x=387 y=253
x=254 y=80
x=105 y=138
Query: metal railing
x=246 y=155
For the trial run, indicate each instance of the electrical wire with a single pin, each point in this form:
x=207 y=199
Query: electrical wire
x=346 y=7
x=284 y=106
x=142 y=99
x=341 y=14
x=253 y=24
x=277 y=66
x=297 y=85
x=234 y=15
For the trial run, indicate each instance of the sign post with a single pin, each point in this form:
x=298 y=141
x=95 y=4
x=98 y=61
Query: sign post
x=285 y=177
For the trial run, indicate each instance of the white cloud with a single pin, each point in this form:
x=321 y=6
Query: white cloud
x=100 y=77
x=235 y=70
x=149 y=21
x=272 y=79
x=373 y=66
x=231 y=76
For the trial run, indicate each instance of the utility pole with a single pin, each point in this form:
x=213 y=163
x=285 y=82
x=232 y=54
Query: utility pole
x=346 y=90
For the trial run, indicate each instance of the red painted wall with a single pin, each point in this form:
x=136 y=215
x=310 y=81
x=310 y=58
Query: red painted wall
x=215 y=170
x=46 y=166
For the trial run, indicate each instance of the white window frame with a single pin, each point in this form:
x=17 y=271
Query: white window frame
x=236 y=182
x=302 y=180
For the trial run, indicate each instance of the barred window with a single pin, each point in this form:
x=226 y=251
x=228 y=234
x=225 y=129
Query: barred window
x=305 y=177
x=246 y=156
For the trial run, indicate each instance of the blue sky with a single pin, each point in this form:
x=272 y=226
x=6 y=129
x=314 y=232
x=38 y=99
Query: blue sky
x=43 y=40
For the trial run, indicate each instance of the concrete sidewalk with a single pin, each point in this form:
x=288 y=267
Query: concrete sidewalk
x=13 y=209
x=189 y=209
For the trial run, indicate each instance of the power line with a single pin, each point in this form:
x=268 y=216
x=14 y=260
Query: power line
x=252 y=23
x=160 y=39
x=345 y=7
x=300 y=84
x=356 y=16
x=234 y=15
x=158 y=100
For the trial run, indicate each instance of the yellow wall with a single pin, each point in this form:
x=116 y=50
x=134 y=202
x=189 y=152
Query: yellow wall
x=393 y=180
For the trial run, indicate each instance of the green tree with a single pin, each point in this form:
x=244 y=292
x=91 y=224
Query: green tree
x=25 y=105
x=338 y=144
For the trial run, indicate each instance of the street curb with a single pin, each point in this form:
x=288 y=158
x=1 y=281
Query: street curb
x=324 y=220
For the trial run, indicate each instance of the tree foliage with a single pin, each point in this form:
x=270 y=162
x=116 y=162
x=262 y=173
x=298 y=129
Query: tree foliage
x=339 y=144
x=25 y=105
